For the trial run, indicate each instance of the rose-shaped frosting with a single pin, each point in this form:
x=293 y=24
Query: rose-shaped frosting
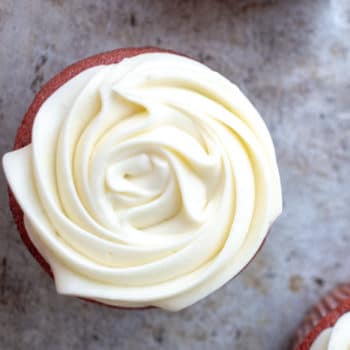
x=148 y=182
x=335 y=338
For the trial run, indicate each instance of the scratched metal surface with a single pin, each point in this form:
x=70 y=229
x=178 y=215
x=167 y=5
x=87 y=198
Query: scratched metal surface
x=292 y=59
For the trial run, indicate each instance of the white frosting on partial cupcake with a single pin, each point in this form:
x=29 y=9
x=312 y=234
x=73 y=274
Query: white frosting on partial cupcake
x=148 y=182
x=335 y=338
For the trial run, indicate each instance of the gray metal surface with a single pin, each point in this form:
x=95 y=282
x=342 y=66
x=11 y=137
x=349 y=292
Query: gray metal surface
x=292 y=59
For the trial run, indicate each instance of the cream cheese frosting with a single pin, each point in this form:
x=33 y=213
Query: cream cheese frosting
x=335 y=338
x=151 y=182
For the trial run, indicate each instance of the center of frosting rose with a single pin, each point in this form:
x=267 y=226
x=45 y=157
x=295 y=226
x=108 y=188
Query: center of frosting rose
x=335 y=338
x=148 y=182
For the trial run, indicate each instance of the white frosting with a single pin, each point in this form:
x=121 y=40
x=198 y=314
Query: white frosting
x=148 y=182
x=335 y=338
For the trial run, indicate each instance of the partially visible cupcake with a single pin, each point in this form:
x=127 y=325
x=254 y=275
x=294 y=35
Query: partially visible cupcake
x=141 y=177
x=327 y=325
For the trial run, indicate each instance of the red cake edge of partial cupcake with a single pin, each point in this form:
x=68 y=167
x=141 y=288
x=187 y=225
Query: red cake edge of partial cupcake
x=322 y=316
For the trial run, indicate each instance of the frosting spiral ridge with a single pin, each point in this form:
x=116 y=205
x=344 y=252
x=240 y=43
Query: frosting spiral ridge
x=148 y=182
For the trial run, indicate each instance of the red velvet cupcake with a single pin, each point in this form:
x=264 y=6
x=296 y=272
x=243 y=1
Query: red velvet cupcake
x=140 y=177
x=327 y=325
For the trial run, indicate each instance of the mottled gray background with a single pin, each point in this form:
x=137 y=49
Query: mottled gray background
x=292 y=59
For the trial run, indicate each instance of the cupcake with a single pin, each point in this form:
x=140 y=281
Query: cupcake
x=140 y=177
x=327 y=325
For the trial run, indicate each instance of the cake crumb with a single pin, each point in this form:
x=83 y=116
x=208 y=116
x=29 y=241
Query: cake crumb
x=296 y=283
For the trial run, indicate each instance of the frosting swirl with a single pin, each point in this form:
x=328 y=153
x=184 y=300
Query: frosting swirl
x=335 y=338
x=148 y=182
